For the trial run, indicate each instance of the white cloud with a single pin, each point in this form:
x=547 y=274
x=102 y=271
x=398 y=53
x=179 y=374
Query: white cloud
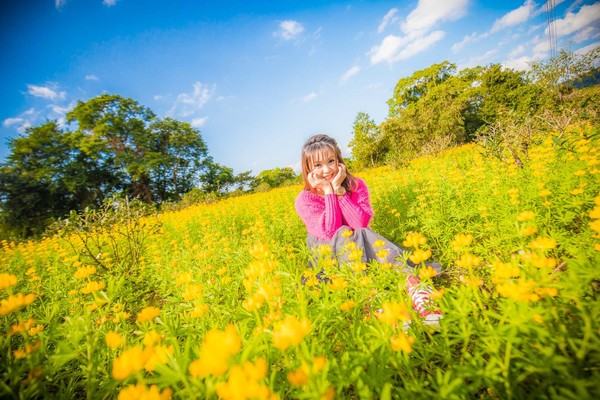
x=482 y=59
x=517 y=51
x=518 y=64
x=430 y=12
x=309 y=97
x=59 y=3
x=587 y=48
x=12 y=121
x=515 y=17
x=466 y=40
x=573 y=22
x=188 y=103
x=590 y=32
x=388 y=18
x=417 y=27
x=199 y=122
x=45 y=92
x=91 y=77
x=349 y=74
x=109 y=3
x=61 y=110
x=396 y=48
x=289 y=29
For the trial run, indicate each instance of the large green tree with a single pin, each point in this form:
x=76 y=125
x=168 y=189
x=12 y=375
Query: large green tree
x=368 y=145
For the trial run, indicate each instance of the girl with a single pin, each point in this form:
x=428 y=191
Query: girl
x=335 y=207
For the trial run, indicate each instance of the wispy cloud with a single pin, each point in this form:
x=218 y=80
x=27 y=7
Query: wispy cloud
x=187 y=104
x=395 y=48
x=199 y=122
x=389 y=18
x=289 y=29
x=587 y=17
x=417 y=28
x=49 y=92
x=91 y=77
x=109 y=3
x=8 y=122
x=349 y=74
x=466 y=40
x=515 y=17
x=429 y=13
x=309 y=97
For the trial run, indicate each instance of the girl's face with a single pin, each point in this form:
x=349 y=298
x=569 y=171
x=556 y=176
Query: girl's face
x=325 y=165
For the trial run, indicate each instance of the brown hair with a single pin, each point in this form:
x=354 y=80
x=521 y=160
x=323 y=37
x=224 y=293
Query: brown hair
x=315 y=145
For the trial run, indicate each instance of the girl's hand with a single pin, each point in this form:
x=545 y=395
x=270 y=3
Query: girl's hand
x=319 y=183
x=340 y=176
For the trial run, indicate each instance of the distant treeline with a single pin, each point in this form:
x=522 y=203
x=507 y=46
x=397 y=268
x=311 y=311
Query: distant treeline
x=113 y=146
x=440 y=107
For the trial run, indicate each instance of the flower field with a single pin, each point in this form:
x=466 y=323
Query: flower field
x=208 y=301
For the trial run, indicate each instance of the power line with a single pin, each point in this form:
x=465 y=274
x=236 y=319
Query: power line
x=551 y=22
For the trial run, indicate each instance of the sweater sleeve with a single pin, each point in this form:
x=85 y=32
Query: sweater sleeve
x=321 y=215
x=356 y=207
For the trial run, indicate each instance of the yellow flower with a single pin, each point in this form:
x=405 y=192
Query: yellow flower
x=539 y=260
x=543 y=243
x=414 y=239
x=192 y=292
x=545 y=193
x=158 y=355
x=529 y=230
x=148 y=314
x=393 y=312
x=35 y=330
x=183 y=278
x=297 y=377
x=378 y=243
x=382 y=254
x=461 y=240
x=215 y=351
x=355 y=255
x=15 y=302
x=518 y=291
x=260 y=251
x=468 y=260
x=504 y=271
x=7 y=280
x=114 y=340
x=139 y=391
x=84 y=272
x=199 y=310
x=426 y=273
x=290 y=332
x=338 y=283
x=347 y=233
x=359 y=267
x=595 y=225
x=471 y=281
x=130 y=362
x=21 y=327
x=525 y=216
x=30 y=348
x=402 y=343
x=420 y=255
x=594 y=214
x=577 y=191
x=244 y=382
x=92 y=287
x=347 y=305
x=151 y=338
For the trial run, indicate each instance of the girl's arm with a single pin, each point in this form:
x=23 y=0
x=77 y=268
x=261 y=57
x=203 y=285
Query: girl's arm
x=321 y=220
x=356 y=207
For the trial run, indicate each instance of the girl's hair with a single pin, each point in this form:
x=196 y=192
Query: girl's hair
x=316 y=145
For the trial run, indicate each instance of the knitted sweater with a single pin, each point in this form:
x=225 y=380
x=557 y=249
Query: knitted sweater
x=324 y=215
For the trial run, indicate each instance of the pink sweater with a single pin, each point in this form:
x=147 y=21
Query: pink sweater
x=324 y=215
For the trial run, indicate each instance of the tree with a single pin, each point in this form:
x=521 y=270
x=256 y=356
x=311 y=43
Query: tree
x=114 y=131
x=175 y=159
x=45 y=177
x=274 y=178
x=216 y=178
x=368 y=145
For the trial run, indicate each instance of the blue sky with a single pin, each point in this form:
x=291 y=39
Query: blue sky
x=258 y=78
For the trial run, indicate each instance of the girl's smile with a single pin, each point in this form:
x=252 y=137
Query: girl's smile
x=325 y=165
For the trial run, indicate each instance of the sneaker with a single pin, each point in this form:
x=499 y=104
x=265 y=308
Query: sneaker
x=422 y=302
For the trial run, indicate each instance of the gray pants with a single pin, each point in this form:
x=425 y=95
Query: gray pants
x=364 y=239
